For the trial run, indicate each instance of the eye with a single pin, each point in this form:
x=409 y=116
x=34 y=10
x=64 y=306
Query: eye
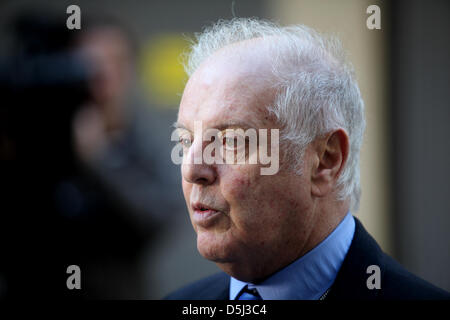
x=185 y=142
x=230 y=142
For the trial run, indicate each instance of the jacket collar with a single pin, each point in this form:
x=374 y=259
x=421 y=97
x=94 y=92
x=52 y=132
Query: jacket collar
x=351 y=281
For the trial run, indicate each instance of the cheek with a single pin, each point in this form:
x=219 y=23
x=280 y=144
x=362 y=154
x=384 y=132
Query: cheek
x=264 y=206
x=187 y=187
x=237 y=186
x=249 y=187
x=253 y=199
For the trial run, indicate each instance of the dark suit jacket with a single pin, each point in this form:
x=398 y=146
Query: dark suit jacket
x=350 y=283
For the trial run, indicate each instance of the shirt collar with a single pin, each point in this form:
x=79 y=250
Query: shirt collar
x=311 y=275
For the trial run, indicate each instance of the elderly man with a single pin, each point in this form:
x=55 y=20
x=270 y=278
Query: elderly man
x=289 y=234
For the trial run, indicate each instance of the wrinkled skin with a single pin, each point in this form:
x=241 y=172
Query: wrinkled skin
x=265 y=221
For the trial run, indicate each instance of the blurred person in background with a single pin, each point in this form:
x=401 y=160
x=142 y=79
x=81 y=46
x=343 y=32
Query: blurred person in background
x=80 y=179
x=103 y=119
x=116 y=134
x=118 y=137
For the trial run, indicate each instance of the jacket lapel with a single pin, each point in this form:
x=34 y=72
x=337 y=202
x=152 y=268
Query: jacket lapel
x=351 y=281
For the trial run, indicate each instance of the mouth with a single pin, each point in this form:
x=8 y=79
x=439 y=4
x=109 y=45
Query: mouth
x=203 y=215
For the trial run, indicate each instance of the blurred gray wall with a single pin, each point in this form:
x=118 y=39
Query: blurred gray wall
x=420 y=70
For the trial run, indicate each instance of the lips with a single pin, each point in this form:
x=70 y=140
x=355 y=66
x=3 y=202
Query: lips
x=204 y=215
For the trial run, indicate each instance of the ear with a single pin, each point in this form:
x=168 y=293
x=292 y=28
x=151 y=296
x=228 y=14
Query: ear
x=330 y=156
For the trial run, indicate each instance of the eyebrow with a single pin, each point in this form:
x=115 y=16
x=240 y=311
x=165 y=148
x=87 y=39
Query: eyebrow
x=222 y=126
x=178 y=125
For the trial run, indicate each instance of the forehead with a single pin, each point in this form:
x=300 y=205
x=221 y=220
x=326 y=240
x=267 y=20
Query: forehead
x=231 y=86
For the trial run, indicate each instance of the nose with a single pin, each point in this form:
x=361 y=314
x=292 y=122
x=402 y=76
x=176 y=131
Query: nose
x=197 y=171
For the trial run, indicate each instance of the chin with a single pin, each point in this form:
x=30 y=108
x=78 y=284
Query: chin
x=214 y=247
x=226 y=256
x=214 y=256
x=242 y=271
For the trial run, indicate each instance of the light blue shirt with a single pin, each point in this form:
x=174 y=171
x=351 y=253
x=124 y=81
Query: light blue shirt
x=309 y=277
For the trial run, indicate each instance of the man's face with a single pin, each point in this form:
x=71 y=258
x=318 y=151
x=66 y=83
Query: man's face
x=255 y=224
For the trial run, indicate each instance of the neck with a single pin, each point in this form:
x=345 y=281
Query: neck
x=326 y=217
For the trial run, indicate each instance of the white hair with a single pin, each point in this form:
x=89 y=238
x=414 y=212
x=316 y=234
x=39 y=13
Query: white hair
x=316 y=88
